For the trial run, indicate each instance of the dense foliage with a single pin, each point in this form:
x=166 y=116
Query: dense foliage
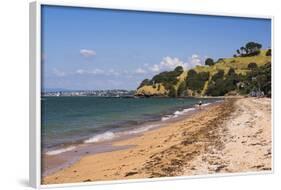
x=258 y=80
x=221 y=84
x=196 y=81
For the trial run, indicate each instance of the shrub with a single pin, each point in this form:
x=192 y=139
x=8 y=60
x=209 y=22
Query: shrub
x=268 y=52
x=252 y=66
x=209 y=62
x=196 y=81
x=220 y=84
x=181 y=89
x=179 y=69
x=172 y=92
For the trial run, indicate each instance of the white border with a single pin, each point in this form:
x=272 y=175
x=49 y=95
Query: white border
x=35 y=91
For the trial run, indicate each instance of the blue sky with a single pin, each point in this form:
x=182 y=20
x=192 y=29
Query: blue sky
x=110 y=49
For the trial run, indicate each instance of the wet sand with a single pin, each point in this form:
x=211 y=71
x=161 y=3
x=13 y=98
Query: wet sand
x=234 y=136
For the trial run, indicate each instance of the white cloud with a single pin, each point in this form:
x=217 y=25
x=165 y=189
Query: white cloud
x=170 y=63
x=59 y=73
x=93 y=72
x=87 y=52
x=112 y=72
x=194 y=60
x=167 y=64
x=140 y=71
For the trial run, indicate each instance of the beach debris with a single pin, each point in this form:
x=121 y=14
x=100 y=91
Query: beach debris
x=87 y=180
x=130 y=173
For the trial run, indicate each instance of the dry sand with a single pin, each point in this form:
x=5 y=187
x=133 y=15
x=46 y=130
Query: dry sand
x=234 y=136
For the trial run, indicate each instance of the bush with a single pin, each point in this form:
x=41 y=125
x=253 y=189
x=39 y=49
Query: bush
x=220 y=84
x=181 y=89
x=178 y=69
x=220 y=60
x=258 y=80
x=218 y=75
x=252 y=66
x=268 y=52
x=196 y=81
x=172 y=92
x=209 y=62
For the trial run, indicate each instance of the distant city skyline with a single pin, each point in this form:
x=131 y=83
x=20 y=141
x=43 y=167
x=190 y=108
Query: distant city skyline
x=96 y=49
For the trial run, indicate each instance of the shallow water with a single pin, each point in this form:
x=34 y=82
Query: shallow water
x=74 y=120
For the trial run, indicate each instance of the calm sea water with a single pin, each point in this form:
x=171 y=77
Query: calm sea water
x=67 y=120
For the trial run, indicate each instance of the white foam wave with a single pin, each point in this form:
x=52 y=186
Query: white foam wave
x=142 y=129
x=112 y=135
x=101 y=137
x=176 y=114
x=59 y=151
x=167 y=117
x=206 y=104
x=188 y=110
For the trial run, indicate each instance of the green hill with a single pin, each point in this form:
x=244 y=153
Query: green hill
x=225 y=76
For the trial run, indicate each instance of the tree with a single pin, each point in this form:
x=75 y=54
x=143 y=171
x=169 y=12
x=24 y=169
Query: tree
x=234 y=55
x=253 y=48
x=252 y=66
x=209 y=62
x=268 y=52
x=172 y=92
x=196 y=81
x=258 y=80
x=238 y=52
x=179 y=69
x=242 y=49
x=181 y=89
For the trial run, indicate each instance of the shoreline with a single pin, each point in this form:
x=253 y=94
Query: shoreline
x=68 y=154
x=180 y=148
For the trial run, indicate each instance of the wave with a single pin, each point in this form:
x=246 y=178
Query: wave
x=109 y=135
x=206 y=104
x=176 y=114
x=142 y=129
x=101 y=137
x=59 y=151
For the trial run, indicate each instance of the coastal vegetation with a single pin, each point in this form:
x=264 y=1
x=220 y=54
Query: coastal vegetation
x=247 y=72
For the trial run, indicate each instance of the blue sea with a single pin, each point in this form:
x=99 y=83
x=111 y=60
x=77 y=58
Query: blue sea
x=73 y=120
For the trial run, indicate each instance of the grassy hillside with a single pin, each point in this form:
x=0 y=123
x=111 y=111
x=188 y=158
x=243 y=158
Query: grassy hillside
x=185 y=85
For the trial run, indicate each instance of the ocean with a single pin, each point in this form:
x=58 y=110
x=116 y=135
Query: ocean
x=67 y=121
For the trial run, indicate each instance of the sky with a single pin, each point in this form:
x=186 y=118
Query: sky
x=98 y=49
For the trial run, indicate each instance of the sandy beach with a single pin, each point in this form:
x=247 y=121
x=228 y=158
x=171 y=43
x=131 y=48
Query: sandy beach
x=232 y=136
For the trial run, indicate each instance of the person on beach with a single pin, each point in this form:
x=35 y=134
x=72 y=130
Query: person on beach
x=200 y=104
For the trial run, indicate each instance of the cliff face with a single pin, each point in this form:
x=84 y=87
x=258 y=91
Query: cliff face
x=204 y=81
